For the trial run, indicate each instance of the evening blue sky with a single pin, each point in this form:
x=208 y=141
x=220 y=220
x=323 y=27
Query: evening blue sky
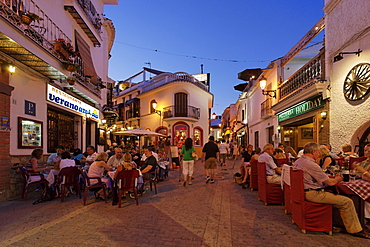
x=250 y=32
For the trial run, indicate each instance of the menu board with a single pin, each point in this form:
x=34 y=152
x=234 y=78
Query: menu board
x=29 y=133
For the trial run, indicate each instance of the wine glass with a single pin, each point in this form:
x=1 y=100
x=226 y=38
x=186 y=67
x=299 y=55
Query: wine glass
x=352 y=176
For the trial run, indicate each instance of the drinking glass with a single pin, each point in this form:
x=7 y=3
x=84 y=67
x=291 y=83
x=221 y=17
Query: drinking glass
x=352 y=176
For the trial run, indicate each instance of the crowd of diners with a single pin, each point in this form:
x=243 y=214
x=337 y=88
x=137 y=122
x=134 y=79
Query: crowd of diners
x=316 y=161
x=95 y=164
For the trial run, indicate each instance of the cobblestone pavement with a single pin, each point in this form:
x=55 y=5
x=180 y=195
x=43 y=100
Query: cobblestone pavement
x=219 y=214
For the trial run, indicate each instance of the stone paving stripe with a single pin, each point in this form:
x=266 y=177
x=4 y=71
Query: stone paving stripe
x=44 y=227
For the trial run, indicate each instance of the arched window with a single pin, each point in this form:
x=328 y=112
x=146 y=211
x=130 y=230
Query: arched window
x=198 y=136
x=181 y=105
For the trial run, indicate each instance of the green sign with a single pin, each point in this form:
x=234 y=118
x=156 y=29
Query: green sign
x=301 y=108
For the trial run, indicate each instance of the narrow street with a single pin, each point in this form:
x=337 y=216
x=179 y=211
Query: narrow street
x=219 y=214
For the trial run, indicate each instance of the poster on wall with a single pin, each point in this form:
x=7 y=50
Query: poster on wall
x=29 y=133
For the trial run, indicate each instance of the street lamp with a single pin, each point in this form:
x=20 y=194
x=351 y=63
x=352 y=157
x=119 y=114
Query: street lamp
x=263 y=83
x=154 y=105
x=12 y=69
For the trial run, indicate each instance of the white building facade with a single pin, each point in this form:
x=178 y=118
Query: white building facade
x=176 y=105
x=60 y=50
x=349 y=74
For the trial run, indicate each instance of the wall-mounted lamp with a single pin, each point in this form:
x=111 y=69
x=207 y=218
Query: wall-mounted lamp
x=340 y=55
x=88 y=115
x=214 y=115
x=154 y=105
x=12 y=69
x=323 y=115
x=278 y=128
x=104 y=121
x=270 y=93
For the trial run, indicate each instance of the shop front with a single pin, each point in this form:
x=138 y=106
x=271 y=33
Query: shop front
x=70 y=121
x=304 y=122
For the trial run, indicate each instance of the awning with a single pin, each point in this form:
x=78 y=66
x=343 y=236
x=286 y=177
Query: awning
x=118 y=106
x=133 y=100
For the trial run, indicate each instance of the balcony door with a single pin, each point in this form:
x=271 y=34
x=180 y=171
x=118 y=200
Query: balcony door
x=181 y=105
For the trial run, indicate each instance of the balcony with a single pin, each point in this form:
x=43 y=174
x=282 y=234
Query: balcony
x=306 y=83
x=173 y=77
x=181 y=112
x=305 y=76
x=266 y=110
x=43 y=32
x=134 y=113
x=92 y=17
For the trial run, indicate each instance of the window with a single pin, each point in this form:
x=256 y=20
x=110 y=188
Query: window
x=181 y=105
x=256 y=141
x=198 y=136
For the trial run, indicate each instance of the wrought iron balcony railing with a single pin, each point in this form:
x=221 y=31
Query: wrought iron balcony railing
x=30 y=20
x=178 y=111
x=91 y=14
x=309 y=72
x=266 y=110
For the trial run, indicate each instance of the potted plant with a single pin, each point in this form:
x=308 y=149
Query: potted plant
x=71 y=81
x=71 y=67
x=28 y=17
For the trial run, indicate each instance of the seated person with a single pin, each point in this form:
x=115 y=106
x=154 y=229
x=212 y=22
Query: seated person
x=78 y=156
x=314 y=182
x=54 y=158
x=257 y=153
x=116 y=159
x=90 y=156
x=127 y=164
x=366 y=163
x=326 y=160
x=66 y=161
x=279 y=154
x=135 y=156
x=96 y=170
x=272 y=170
x=36 y=155
x=149 y=165
x=347 y=151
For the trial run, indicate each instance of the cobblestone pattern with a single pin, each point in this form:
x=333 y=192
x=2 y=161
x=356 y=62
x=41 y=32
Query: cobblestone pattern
x=219 y=214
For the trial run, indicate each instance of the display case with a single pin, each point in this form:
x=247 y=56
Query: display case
x=29 y=133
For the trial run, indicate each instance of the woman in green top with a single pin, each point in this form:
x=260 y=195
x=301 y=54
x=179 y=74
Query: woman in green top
x=188 y=161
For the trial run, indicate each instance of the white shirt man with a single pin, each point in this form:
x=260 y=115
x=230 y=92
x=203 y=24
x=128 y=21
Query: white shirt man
x=116 y=159
x=272 y=170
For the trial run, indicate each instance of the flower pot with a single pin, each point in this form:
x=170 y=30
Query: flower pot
x=26 y=20
x=71 y=82
x=70 y=67
x=59 y=48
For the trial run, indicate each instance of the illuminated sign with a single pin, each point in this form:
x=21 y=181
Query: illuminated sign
x=67 y=101
x=301 y=108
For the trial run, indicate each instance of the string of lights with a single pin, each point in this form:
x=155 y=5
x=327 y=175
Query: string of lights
x=203 y=58
x=191 y=56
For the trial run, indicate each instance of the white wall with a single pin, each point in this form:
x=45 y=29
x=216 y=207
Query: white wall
x=344 y=22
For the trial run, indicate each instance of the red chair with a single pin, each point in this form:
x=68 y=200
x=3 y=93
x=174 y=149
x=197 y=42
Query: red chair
x=355 y=159
x=253 y=180
x=126 y=181
x=281 y=162
x=268 y=193
x=70 y=176
x=287 y=189
x=308 y=216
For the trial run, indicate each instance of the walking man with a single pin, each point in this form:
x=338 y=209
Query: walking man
x=210 y=154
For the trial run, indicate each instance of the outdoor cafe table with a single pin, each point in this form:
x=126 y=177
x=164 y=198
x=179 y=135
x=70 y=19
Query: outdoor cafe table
x=359 y=192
